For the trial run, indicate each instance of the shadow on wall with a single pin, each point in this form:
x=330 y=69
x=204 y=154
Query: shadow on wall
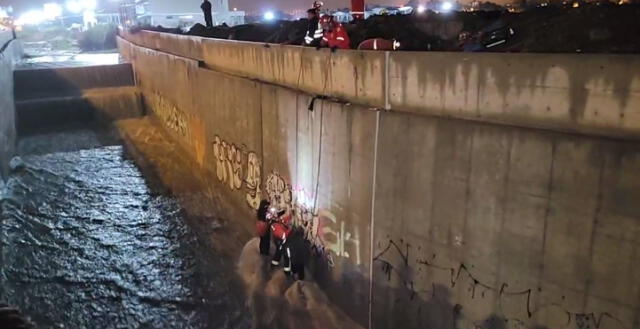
x=38 y=115
x=508 y=75
x=70 y=81
x=277 y=301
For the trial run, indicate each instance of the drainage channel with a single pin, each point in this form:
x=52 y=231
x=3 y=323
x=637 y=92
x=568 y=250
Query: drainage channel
x=86 y=243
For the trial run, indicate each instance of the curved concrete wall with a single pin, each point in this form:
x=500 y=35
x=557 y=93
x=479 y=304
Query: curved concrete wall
x=10 y=52
x=421 y=219
x=592 y=94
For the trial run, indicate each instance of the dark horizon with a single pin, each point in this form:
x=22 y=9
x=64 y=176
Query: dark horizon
x=21 y=6
x=250 y=6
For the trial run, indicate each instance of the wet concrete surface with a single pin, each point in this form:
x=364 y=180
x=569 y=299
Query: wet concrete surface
x=38 y=55
x=87 y=242
x=70 y=60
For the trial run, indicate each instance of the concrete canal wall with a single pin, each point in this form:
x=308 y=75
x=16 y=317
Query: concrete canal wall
x=440 y=190
x=10 y=53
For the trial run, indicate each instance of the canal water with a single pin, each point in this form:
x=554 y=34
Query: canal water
x=86 y=243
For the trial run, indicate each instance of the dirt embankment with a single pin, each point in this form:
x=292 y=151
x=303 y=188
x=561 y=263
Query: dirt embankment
x=589 y=28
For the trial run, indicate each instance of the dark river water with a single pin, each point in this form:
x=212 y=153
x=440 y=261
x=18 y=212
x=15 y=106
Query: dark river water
x=87 y=244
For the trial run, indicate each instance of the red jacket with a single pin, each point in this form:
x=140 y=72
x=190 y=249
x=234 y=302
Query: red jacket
x=337 y=37
x=281 y=228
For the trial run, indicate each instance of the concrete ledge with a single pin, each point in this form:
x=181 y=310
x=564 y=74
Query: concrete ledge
x=43 y=83
x=350 y=75
x=593 y=94
x=101 y=105
x=589 y=94
x=179 y=45
x=354 y=76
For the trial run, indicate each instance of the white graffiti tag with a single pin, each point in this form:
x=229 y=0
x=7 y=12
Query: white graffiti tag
x=253 y=180
x=228 y=163
x=170 y=115
x=278 y=191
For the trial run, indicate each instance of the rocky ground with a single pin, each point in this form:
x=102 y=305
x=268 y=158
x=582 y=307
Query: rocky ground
x=589 y=28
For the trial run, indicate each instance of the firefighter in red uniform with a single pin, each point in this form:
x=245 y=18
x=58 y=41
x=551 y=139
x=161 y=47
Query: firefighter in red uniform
x=280 y=228
x=335 y=35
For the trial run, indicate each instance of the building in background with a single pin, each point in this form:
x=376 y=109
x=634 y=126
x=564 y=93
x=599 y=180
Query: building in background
x=181 y=13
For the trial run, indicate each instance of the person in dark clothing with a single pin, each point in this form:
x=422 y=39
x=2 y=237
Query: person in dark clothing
x=298 y=252
x=280 y=228
x=314 y=30
x=206 y=9
x=263 y=227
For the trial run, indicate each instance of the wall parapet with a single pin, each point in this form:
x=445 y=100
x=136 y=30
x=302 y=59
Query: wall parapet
x=589 y=94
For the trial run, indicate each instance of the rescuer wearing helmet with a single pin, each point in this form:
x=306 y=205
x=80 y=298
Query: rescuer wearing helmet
x=280 y=228
x=314 y=30
x=334 y=34
x=317 y=5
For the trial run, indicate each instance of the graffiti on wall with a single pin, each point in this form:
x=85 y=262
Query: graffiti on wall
x=228 y=159
x=253 y=180
x=238 y=169
x=406 y=264
x=279 y=191
x=170 y=115
x=328 y=236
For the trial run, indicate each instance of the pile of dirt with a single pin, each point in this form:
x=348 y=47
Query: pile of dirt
x=588 y=28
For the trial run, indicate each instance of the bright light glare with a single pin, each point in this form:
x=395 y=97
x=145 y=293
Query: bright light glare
x=88 y=4
x=446 y=6
x=421 y=9
x=33 y=17
x=89 y=18
x=269 y=16
x=52 y=10
x=74 y=6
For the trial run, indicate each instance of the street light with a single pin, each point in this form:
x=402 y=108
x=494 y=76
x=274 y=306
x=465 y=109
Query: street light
x=421 y=9
x=446 y=6
x=269 y=16
x=32 y=17
x=88 y=4
x=52 y=10
x=74 y=6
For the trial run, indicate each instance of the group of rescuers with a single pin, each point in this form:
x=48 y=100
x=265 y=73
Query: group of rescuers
x=292 y=251
x=322 y=31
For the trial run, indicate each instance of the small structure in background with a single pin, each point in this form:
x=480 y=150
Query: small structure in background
x=183 y=13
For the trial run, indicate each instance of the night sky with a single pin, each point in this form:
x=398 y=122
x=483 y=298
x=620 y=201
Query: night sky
x=246 y=5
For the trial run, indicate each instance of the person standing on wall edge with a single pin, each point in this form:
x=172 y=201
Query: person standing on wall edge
x=314 y=30
x=206 y=9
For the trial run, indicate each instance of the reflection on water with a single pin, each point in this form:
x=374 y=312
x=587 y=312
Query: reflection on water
x=70 y=60
x=86 y=244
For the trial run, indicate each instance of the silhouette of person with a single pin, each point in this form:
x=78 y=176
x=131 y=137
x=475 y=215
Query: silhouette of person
x=206 y=9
